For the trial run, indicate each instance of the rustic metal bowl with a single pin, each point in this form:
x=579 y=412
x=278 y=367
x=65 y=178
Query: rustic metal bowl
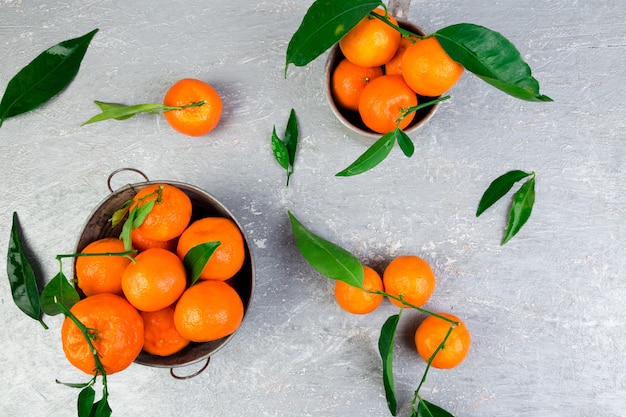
x=204 y=205
x=351 y=119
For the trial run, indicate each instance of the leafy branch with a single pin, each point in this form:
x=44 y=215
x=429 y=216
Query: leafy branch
x=334 y=262
x=285 y=150
x=523 y=199
x=122 y=112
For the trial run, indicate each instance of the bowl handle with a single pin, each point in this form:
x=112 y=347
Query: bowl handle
x=399 y=8
x=198 y=372
x=117 y=171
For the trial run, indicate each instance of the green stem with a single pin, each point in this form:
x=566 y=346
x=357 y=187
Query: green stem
x=186 y=106
x=410 y=110
x=405 y=33
x=44 y=325
x=407 y=304
x=126 y=254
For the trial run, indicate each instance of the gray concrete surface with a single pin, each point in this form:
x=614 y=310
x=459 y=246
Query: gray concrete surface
x=546 y=311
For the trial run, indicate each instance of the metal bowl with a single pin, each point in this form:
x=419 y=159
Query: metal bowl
x=204 y=205
x=351 y=119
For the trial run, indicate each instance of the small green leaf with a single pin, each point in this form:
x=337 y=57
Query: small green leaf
x=385 y=348
x=426 y=409
x=121 y=213
x=498 y=189
x=291 y=137
x=44 y=77
x=373 y=156
x=523 y=201
x=405 y=143
x=21 y=276
x=492 y=57
x=324 y=24
x=58 y=289
x=327 y=258
x=196 y=259
x=86 y=400
x=102 y=408
x=280 y=150
x=109 y=107
x=142 y=211
x=75 y=384
x=121 y=112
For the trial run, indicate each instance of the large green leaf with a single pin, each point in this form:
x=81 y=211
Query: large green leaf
x=327 y=258
x=498 y=188
x=426 y=409
x=491 y=57
x=44 y=77
x=385 y=348
x=373 y=156
x=324 y=24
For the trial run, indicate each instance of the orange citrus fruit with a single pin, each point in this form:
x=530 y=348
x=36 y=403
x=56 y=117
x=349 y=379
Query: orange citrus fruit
x=161 y=337
x=428 y=69
x=356 y=300
x=394 y=66
x=195 y=120
x=411 y=278
x=229 y=256
x=154 y=280
x=116 y=332
x=170 y=215
x=371 y=42
x=384 y=100
x=101 y=274
x=140 y=243
x=208 y=310
x=348 y=81
x=431 y=332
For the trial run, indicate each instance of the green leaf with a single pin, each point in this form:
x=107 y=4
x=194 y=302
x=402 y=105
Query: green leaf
x=324 y=24
x=327 y=258
x=21 y=276
x=291 y=137
x=120 y=214
x=405 y=143
x=373 y=156
x=102 y=408
x=523 y=201
x=75 y=384
x=385 y=347
x=498 y=188
x=492 y=57
x=86 y=400
x=122 y=112
x=196 y=259
x=58 y=289
x=44 y=77
x=142 y=211
x=280 y=150
x=426 y=409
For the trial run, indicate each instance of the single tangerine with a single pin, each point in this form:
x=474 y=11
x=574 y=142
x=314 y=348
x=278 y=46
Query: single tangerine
x=155 y=280
x=428 y=69
x=160 y=336
x=115 y=329
x=208 y=310
x=170 y=214
x=384 y=101
x=360 y=300
x=410 y=278
x=348 y=81
x=431 y=333
x=371 y=42
x=101 y=274
x=195 y=120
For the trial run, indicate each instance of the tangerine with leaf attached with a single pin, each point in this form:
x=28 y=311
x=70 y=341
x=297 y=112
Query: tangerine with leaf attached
x=431 y=333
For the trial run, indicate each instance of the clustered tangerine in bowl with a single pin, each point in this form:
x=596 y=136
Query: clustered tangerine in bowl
x=182 y=323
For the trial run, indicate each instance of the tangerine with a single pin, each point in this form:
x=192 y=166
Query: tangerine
x=208 y=310
x=140 y=243
x=360 y=300
x=411 y=278
x=349 y=80
x=170 y=215
x=160 y=336
x=384 y=101
x=229 y=256
x=154 y=280
x=101 y=274
x=195 y=120
x=428 y=69
x=371 y=42
x=432 y=331
x=115 y=329
x=394 y=66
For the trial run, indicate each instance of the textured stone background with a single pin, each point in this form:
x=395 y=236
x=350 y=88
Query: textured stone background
x=545 y=311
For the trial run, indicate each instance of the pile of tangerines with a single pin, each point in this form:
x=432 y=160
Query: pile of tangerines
x=383 y=73
x=410 y=279
x=142 y=299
